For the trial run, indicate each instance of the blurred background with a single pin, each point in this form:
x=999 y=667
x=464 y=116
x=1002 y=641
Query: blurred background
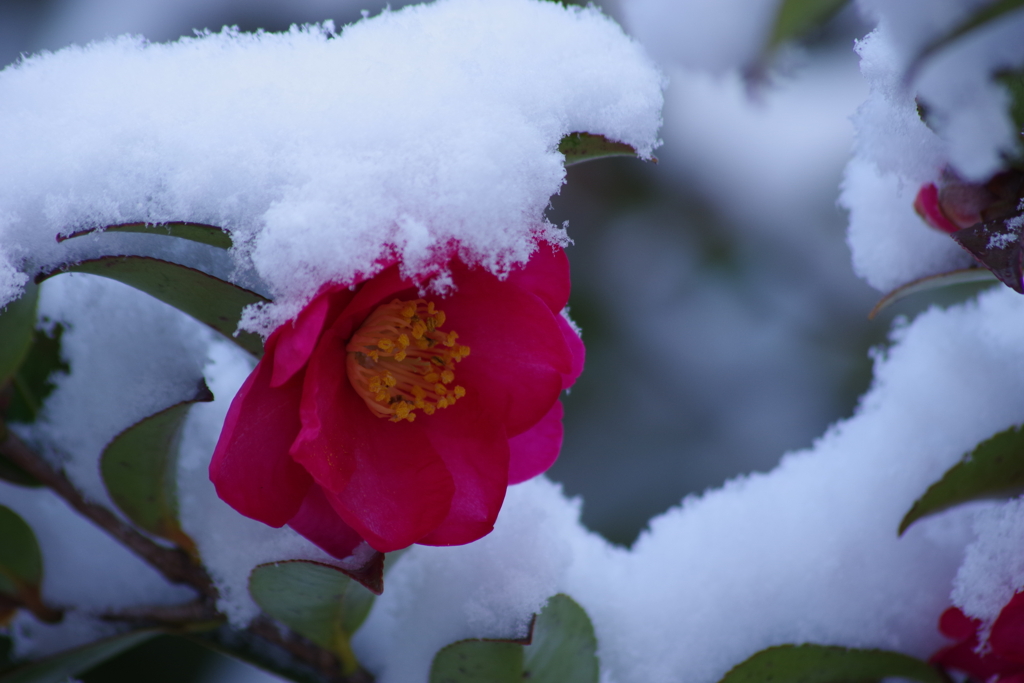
x=723 y=323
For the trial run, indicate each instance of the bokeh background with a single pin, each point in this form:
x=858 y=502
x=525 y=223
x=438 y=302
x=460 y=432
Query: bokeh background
x=723 y=322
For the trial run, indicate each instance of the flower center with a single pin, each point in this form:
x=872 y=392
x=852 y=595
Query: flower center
x=400 y=360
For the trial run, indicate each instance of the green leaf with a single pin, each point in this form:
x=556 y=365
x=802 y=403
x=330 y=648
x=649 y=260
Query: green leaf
x=924 y=284
x=194 y=232
x=1013 y=81
x=579 y=147
x=316 y=601
x=31 y=383
x=825 y=664
x=65 y=665
x=995 y=469
x=562 y=648
x=21 y=565
x=477 y=661
x=140 y=466
x=17 y=323
x=208 y=299
x=981 y=18
x=796 y=18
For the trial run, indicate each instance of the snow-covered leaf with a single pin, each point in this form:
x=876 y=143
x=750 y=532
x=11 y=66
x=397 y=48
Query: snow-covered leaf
x=995 y=469
x=21 y=565
x=996 y=244
x=208 y=299
x=316 y=601
x=561 y=648
x=796 y=17
x=983 y=16
x=826 y=664
x=17 y=322
x=924 y=284
x=195 y=232
x=60 y=667
x=140 y=466
x=579 y=147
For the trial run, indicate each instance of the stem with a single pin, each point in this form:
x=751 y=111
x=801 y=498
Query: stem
x=174 y=564
x=265 y=643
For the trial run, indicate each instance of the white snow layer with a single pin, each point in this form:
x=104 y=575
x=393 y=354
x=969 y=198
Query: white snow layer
x=322 y=152
x=969 y=130
x=805 y=553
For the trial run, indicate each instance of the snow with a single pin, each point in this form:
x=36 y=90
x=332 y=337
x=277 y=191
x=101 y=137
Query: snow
x=805 y=553
x=321 y=152
x=324 y=152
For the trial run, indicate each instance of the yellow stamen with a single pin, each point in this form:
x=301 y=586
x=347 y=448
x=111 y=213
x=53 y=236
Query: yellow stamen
x=400 y=361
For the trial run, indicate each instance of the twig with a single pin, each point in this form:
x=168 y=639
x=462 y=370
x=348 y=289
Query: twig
x=295 y=656
x=174 y=564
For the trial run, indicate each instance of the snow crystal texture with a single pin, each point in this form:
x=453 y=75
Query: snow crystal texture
x=322 y=152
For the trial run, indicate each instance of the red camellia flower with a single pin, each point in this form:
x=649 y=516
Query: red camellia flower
x=384 y=415
x=1002 y=658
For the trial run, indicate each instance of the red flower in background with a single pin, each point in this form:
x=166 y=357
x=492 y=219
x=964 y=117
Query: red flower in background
x=383 y=415
x=1002 y=658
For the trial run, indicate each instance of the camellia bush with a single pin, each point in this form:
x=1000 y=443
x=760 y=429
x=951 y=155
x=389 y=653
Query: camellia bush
x=285 y=334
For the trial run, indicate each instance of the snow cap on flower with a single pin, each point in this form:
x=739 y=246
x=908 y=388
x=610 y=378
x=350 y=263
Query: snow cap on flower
x=414 y=134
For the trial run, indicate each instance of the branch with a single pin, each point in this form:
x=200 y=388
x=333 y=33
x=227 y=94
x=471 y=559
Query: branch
x=289 y=654
x=173 y=563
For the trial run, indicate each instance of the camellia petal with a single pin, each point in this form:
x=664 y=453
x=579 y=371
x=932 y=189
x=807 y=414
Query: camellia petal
x=476 y=452
x=251 y=468
x=297 y=340
x=317 y=521
x=576 y=349
x=403 y=412
x=534 y=451
x=519 y=355
x=545 y=275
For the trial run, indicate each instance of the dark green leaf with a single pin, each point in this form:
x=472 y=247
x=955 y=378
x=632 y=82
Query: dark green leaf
x=1013 y=81
x=562 y=648
x=796 y=18
x=995 y=469
x=60 y=667
x=208 y=299
x=5 y=652
x=924 y=284
x=31 y=383
x=17 y=323
x=140 y=468
x=824 y=664
x=477 y=661
x=21 y=565
x=195 y=232
x=316 y=601
x=579 y=147
x=982 y=17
